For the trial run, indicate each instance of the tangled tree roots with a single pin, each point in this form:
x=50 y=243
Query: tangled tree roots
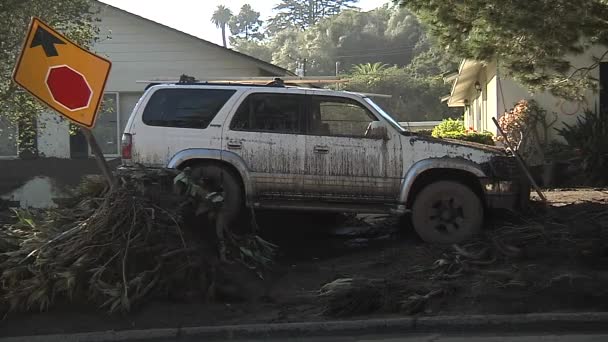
x=116 y=251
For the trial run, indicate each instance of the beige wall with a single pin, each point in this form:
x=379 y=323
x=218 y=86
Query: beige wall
x=503 y=93
x=483 y=104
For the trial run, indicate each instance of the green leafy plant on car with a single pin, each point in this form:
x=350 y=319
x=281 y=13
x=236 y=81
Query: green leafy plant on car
x=455 y=129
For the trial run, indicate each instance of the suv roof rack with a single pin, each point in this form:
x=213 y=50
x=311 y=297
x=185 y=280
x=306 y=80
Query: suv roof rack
x=248 y=81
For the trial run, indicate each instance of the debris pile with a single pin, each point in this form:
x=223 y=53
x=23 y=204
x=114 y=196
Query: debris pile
x=561 y=251
x=116 y=249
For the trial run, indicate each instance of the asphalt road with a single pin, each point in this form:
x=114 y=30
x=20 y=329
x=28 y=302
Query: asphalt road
x=449 y=338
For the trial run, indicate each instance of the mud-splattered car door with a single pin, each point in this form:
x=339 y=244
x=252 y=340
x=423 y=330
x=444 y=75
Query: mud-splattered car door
x=267 y=133
x=342 y=162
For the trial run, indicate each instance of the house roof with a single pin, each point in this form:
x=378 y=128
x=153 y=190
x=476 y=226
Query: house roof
x=269 y=67
x=467 y=75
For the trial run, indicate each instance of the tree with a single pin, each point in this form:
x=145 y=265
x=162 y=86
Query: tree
x=220 y=18
x=246 y=25
x=257 y=49
x=369 y=68
x=305 y=13
x=530 y=39
x=412 y=98
x=74 y=18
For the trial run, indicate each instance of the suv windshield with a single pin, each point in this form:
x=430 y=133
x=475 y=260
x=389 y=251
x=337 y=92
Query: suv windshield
x=384 y=114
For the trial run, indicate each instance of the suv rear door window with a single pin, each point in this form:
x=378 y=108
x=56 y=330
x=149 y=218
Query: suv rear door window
x=277 y=113
x=185 y=108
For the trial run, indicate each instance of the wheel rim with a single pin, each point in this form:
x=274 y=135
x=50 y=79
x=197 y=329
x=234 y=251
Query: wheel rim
x=447 y=215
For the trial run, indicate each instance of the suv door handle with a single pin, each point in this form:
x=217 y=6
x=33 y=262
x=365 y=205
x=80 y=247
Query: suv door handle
x=235 y=145
x=321 y=149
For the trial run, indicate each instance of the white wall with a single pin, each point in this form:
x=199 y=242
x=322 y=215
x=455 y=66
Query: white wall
x=142 y=50
x=53 y=136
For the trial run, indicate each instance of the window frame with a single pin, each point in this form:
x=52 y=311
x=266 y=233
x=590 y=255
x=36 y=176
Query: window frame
x=311 y=104
x=143 y=117
x=304 y=106
x=16 y=155
x=118 y=132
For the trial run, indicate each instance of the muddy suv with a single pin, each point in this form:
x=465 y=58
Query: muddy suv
x=277 y=147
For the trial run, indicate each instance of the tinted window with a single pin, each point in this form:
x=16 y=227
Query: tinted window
x=341 y=117
x=185 y=108
x=281 y=113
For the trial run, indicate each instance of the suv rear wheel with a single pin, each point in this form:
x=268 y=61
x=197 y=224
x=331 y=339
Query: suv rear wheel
x=221 y=179
x=447 y=212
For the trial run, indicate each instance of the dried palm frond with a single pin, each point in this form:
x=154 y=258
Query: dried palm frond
x=115 y=252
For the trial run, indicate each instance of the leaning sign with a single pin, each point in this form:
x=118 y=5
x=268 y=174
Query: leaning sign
x=65 y=77
x=61 y=74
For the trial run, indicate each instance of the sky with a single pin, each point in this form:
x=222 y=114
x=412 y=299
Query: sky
x=194 y=16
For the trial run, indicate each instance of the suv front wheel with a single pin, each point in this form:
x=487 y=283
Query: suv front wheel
x=447 y=212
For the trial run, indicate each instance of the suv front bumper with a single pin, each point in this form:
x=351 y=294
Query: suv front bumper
x=510 y=195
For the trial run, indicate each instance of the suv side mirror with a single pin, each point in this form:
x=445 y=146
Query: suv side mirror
x=376 y=130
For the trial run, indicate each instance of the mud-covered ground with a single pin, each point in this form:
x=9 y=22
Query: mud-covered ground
x=552 y=259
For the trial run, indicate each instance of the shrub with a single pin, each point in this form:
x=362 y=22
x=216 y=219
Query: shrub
x=477 y=137
x=589 y=136
x=454 y=129
x=448 y=126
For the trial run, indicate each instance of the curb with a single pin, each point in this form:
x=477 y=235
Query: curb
x=545 y=321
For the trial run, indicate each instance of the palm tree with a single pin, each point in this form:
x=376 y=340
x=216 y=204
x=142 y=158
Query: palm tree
x=369 y=68
x=220 y=18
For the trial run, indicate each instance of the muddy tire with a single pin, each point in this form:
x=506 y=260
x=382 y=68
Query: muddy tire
x=447 y=212
x=221 y=179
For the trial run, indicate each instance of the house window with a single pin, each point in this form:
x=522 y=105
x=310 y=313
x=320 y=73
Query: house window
x=106 y=129
x=8 y=139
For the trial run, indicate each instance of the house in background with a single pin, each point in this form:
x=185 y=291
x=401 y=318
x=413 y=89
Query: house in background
x=483 y=91
x=140 y=49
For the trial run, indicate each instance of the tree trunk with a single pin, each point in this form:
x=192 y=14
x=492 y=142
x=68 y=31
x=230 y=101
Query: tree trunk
x=224 y=35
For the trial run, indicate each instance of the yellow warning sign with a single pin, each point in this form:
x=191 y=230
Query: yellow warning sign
x=63 y=75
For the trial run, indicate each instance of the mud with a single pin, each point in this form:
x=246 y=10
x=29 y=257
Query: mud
x=318 y=249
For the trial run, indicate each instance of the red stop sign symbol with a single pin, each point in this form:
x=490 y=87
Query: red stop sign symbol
x=69 y=88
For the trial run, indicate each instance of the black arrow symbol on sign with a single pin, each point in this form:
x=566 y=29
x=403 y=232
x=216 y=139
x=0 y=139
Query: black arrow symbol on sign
x=47 y=40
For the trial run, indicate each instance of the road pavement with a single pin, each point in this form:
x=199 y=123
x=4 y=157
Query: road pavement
x=592 y=337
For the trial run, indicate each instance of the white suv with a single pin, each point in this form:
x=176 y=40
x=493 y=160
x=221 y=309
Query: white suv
x=278 y=147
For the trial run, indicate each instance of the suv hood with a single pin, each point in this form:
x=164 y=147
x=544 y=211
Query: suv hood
x=428 y=147
x=478 y=146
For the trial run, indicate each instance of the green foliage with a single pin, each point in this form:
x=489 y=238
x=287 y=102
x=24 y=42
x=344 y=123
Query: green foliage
x=221 y=17
x=449 y=126
x=369 y=68
x=386 y=35
x=454 y=129
x=412 y=98
x=74 y=18
x=589 y=136
x=532 y=50
x=246 y=25
x=302 y=14
x=485 y=138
